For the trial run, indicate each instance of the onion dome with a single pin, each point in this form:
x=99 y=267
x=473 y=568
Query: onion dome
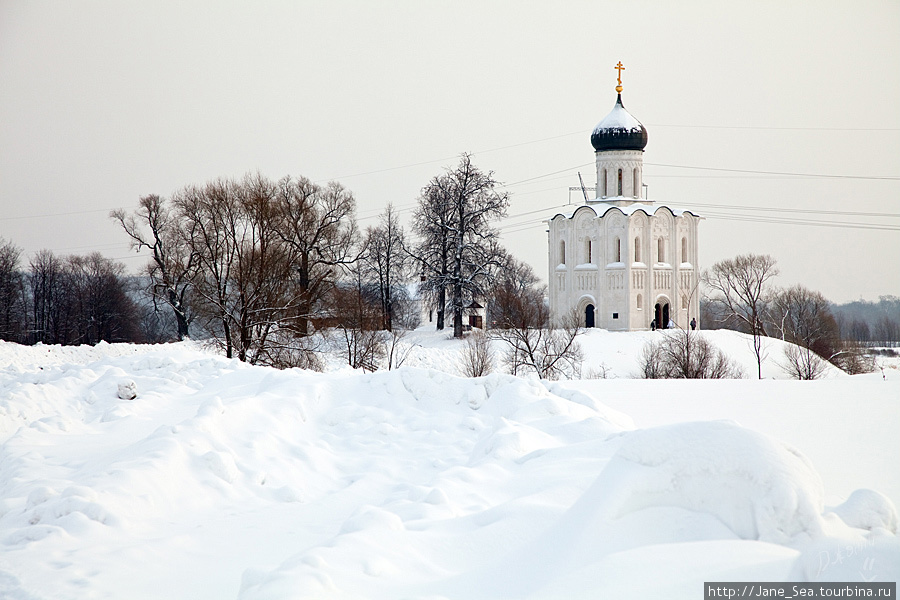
x=619 y=131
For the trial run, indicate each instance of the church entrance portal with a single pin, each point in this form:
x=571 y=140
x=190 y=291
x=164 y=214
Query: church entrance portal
x=589 y=315
x=662 y=315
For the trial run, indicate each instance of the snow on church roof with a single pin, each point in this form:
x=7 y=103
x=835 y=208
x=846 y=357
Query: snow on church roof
x=619 y=130
x=618 y=118
x=602 y=208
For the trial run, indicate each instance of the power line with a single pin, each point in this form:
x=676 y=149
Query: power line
x=805 y=222
x=547 y=174
x=763 y=128
x=529 y=224
x=429 y=162
x=62 y=214
x=799 y=210
x=822 y=175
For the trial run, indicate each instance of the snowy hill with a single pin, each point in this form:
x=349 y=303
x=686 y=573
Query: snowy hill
x=615 y=353
x=222 y=480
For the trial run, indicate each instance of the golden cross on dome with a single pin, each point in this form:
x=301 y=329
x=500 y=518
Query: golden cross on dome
x=619 y=67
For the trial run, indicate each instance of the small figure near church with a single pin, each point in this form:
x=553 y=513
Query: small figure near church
x=653 y=325
x=671 y=324
x=693 y=324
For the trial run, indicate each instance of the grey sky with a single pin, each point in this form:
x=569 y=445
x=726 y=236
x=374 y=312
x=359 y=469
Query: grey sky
x=103 y=102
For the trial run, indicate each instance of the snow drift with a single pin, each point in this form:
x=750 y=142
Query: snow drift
x=222 y=480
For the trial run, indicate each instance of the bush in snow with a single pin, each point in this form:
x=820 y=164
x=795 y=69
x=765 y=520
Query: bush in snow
x=533 y=346
x=803 y=363
x=478 y=355
x=682 y=354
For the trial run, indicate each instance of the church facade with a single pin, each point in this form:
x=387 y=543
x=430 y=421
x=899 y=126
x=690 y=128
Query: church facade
x=620 y=261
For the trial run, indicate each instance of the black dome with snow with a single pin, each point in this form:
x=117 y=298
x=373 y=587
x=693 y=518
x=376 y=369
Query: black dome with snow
x=619 y=131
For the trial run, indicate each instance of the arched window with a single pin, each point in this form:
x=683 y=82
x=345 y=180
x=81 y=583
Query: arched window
x=618 y=250
x=640 y=302
x=620 y=183
x=603 y=183
x=660 y=250
x=684 y=302
x=562 y=252
x=637 y=249
x=588 y=252
x=636 y=191
x=684 y=254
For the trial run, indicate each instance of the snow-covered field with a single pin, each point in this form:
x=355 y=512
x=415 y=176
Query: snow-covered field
x=221 y=480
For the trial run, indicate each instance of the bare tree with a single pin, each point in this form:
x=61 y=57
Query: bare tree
x=385 y=263
x=741 y=290
x=207 y=213
x=887 y=329
x=319 y=226
x=102 y=309
x=361 y=339
x=153 y=226
x=12 y=294
x=459 y=247
x=45 y=281
x=397 y=349
x=241 y=275
x=859 y=331
x=432 y=224
x=805 y=319
x=533 y=346
x=81 y=300
x=515 y=290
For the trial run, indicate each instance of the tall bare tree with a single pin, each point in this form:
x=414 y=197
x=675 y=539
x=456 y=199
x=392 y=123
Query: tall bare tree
x=385 y=263
x=804 y=318
x=208 y=214
x=432 y=223
x=460 y=248
x=101 y=307
x=12 y=294
x=153 y=226
x=242 y=273
x=318 y=224
x=45 y=282
x=523 y=323
x=741 y=288
x=358 y=327
x=515 y=289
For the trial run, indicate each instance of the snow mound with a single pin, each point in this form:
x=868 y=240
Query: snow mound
x=758 y=487
x=874 y=558
x=868 y=509
x=226 y=480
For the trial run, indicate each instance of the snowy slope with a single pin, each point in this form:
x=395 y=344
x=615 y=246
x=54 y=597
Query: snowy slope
x=222 y=480
x=616 y=353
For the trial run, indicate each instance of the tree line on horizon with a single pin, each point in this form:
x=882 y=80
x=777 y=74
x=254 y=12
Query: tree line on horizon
x=260 y=265
x=741 y=296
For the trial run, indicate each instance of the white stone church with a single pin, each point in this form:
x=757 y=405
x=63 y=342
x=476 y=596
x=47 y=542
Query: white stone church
x=620 y=260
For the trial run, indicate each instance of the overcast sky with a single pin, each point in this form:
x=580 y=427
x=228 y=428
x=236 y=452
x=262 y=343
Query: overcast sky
x=103 y=102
